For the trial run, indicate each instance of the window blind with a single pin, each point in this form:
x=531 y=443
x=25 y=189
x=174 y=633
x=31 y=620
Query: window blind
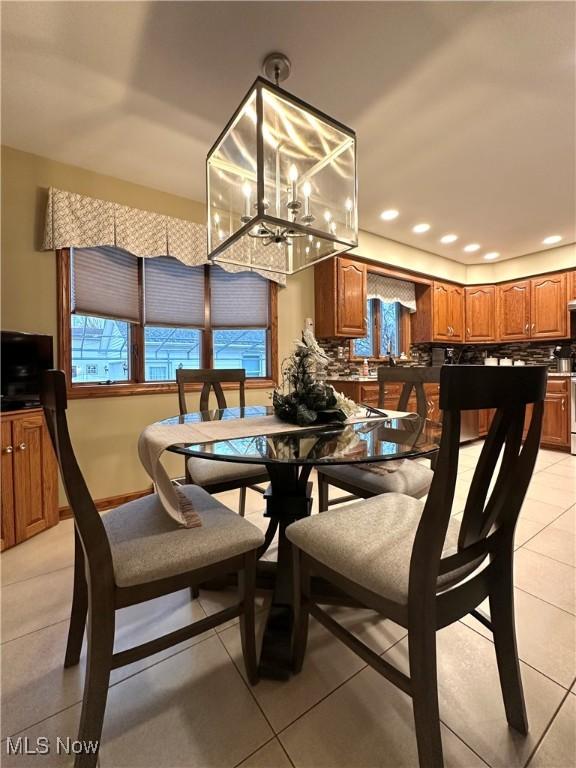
x=390 y=290
x=238 y=299
x=104 y=282
x=173 y=293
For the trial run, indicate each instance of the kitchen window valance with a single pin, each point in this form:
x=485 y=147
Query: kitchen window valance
x=78 y=221
x=390 y=290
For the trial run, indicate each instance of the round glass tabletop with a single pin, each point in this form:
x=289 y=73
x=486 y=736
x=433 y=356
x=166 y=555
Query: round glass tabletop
x=372 y=438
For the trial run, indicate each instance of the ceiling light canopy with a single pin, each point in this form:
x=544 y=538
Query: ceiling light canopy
x=472 y=247
x=447 y=239
x=419 y=229
x=552 y=239
x=491 y=255
x=390 y=214
x=281 y=175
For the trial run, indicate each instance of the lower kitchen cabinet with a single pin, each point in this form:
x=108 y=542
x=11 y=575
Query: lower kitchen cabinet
x=29 y=483
x=556 y=420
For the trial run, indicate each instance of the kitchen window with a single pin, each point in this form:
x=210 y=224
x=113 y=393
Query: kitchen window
x=128 y=324
x=388 y=308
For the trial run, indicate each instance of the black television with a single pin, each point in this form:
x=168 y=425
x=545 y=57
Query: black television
x=24 y=357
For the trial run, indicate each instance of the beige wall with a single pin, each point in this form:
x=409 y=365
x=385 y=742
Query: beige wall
x=104 y=430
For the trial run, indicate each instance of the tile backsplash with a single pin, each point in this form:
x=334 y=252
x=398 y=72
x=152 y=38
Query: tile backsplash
x=536 y=352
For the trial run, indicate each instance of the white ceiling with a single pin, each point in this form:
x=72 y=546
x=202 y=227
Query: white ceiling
x=465 y=112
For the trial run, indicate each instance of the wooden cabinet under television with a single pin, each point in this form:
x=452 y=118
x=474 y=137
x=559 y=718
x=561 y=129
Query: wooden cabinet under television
x=480 y=302
x=29 y=477
x=340 y=298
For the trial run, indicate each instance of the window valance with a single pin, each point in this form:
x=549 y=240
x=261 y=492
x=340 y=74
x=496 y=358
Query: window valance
x=389 y=289
x=78 y=221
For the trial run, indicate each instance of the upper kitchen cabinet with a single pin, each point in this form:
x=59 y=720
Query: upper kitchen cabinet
x=340 y=298
x=439 y=313
x=513 y=311
x=572 y=286
x=480 y=313
x=548 y=300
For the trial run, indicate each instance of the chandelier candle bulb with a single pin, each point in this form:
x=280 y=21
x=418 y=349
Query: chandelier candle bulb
x=293 y=176
x=306 y=191
x=247 y=192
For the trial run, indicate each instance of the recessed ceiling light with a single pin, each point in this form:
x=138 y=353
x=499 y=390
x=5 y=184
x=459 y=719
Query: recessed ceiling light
x=390 y=214
x=472 y=247
x=447 y=239
x=491 y=255
x=552 y=239
x=420 y=228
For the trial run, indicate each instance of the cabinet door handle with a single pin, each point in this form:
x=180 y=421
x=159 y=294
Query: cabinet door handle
x=527 y=328
x=533 y=326
x=22 y=447
x=468 y=331
x=8 y=449
x=563 y=404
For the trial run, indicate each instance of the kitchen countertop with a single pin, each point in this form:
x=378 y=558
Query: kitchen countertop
x=374 y=379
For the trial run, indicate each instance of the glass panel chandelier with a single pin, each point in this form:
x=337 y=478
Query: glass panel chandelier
x=281 y=178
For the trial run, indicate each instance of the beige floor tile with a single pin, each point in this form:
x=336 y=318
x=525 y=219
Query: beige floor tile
x=466 y=461
x=568 y=461
x=35 y=684
x=213 y=601
x=558 y=747
x=547 y=459
x=554 y=543
x=559 y=482
x=328 y=663
x=367 y=722
x=49 y=551
x=566 y=522
x=63 y=725
x=471 y=701
x=525 y=530
x=35 y=603
x=271 y=755
x=563 y=470
x=540 y=511
x=545 y=634
x=541 y=491
x=545 y=578
x=191 y=709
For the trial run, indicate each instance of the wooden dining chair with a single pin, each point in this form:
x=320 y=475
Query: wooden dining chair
x=415 y=564
x=136 y=553
x=218 y=476
x=410 y=477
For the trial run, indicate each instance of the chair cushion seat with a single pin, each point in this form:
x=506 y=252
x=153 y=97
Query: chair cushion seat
x=370 y=543
x=208 y=472
x=410 y=478
x=148 y=545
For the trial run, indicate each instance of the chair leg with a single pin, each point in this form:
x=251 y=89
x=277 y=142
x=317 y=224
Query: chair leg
x=301 y=612
x=79 y=607
x=323 y=490
x=247 y=589
x=98 y=667
x=502 y=618
x=423 y=675
x=194 y=592
x=242 y=507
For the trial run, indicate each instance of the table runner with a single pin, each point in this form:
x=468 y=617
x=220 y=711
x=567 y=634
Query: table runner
x=156 y=438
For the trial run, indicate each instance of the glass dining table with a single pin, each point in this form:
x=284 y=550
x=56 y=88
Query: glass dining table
x=289 y=456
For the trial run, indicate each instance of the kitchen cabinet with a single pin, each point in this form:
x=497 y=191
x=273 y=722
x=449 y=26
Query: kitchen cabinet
x=572 y=286
x=556 y=419
x=513 y=311
x=480 y=304
x=340 y=298
x=448 y=312
x=29 y=477
x=548 y=314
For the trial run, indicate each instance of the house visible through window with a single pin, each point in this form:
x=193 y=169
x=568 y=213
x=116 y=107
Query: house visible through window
x=140 y=320
x=384 y=330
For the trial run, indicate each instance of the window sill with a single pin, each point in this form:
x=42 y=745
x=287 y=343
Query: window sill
x=79 y=391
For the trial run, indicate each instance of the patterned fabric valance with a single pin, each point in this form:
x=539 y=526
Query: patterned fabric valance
x=389 y=289
x=77 y=221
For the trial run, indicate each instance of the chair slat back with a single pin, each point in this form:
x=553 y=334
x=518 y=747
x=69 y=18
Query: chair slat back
x=87 y=520
x=211 y=380
x=492 y=505
x=412 y=379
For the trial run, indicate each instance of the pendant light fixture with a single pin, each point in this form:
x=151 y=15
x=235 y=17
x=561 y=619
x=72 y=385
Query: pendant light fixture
x=281 y=181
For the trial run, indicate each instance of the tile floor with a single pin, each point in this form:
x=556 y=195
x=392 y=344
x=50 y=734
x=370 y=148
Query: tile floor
x=191 y=706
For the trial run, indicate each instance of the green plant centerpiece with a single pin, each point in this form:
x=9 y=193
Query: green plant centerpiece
x=305 y=399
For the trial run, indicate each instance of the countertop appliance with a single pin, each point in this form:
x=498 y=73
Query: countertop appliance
x=564 y=358
x=24 y=357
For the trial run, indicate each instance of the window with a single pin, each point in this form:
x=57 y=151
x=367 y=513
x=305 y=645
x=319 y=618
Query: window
x=130 y=321
x=384 y=322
